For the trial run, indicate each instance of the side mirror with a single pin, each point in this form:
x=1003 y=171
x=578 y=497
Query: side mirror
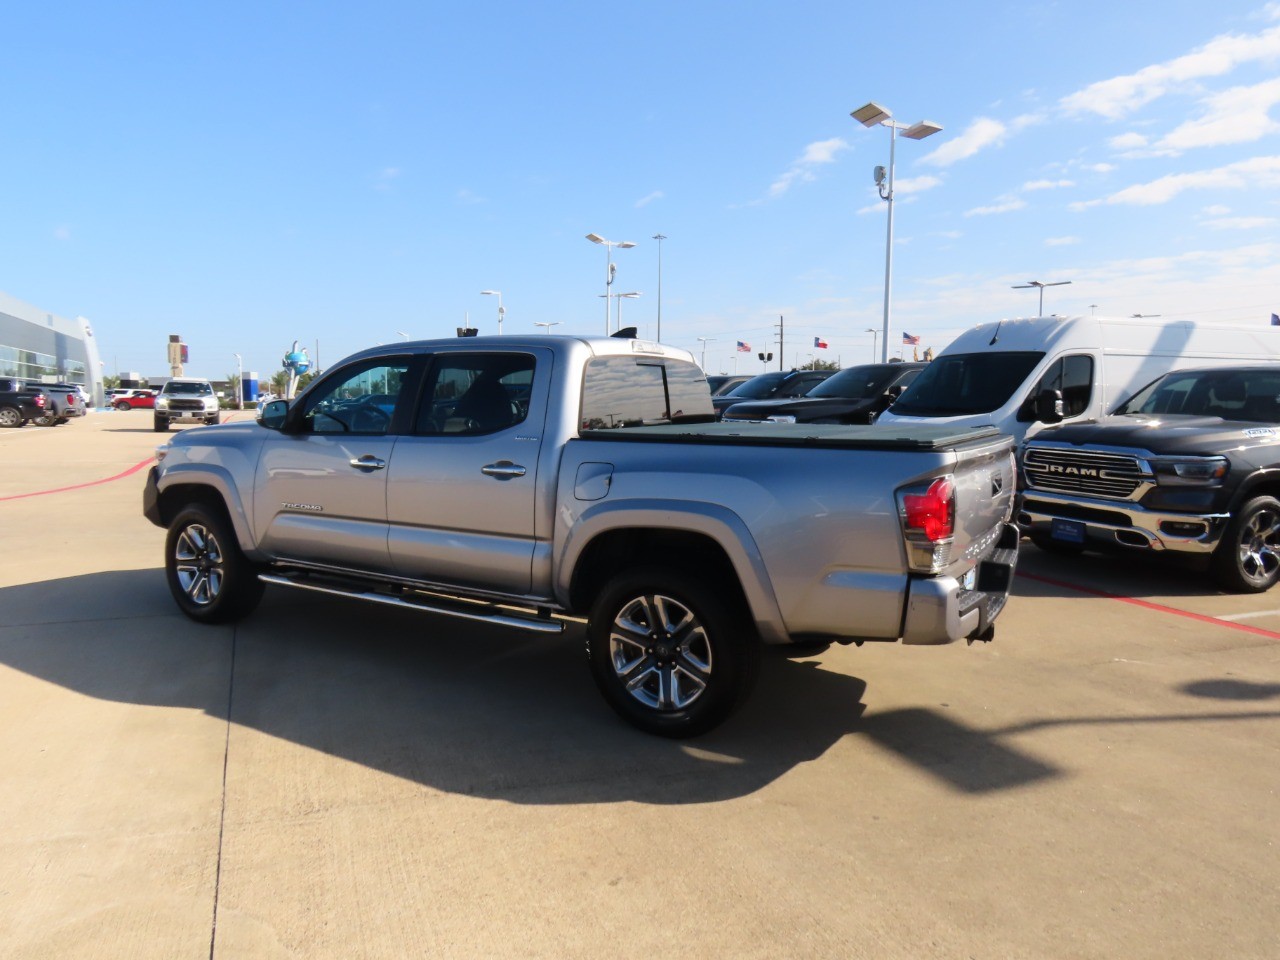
x=273 y=415
x=1048 y=406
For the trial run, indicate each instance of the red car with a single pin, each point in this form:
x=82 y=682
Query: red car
x=133 y=399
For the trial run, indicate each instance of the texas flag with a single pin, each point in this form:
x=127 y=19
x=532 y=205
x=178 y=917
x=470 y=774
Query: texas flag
x=744 y=347
x=909 y=340
x=819 y=343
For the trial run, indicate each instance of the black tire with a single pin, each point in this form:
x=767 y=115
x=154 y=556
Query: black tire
x=122 y=406
x=46 y=420
x=1060 y=547
x=11 y=418
x=214 y=420
x=160 y=425
x=679 y=683
x=1247 y=559
x=209 y=577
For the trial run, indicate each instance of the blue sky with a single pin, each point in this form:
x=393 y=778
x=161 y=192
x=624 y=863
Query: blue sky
x=248 y=174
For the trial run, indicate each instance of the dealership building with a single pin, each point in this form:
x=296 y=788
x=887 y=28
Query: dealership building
x=45 y=348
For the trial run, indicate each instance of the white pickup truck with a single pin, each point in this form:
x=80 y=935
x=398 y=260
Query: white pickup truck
x=526 y=481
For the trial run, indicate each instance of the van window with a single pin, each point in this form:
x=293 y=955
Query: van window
x=963 y=383
x=1073 y=377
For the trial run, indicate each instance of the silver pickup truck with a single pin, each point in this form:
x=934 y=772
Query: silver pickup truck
x=527 y=481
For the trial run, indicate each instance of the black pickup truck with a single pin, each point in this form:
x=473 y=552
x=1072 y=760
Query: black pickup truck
x=1190 y=463
x=20 y=403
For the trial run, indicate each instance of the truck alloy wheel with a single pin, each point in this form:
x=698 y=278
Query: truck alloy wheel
x=1248 y=558
x=122 y=405
x=209 y=577
x=10 y=417
x=667 y=654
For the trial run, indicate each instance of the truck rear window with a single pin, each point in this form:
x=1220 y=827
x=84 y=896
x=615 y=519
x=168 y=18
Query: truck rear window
x=626 y=391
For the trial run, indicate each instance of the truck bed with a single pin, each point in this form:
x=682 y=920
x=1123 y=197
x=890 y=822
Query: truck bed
x=834 y=436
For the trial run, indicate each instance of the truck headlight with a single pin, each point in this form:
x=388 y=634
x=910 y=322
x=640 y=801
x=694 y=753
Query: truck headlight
x=162 y=403
x=1192 y=471
x=782 y=418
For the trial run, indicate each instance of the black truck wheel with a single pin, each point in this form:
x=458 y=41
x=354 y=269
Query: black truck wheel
x=11 y=417
x=1248 y=557
x=209 y=577
x=160 y=424
x=668 y=654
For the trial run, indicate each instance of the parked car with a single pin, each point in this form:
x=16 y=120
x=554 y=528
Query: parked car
x=854 y=395
x=765 y=386
x=186 y=400
x=1022 y=375
x=20 y=403
x=64 y=401
x=523 y=480
x=136 y=399
x=1188 y=465
x=723 y=382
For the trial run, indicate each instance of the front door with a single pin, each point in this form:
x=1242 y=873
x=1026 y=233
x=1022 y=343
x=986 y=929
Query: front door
x=321 y=490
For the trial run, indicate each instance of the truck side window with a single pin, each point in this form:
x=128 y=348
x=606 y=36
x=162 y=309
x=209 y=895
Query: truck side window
x=1073 y=377
x=470 y=394
x=361 y=401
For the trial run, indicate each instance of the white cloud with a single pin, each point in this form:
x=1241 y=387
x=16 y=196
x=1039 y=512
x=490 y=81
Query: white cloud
x=1127 y=141
x=982 y=133
x=801 y=171
x=1046 y=184
x=62 y=233
x=1217 y=210
x=1003 y=204
x=1238 y=115
x=645 y=201
x=1101 y=167
x=914 y=184
x=1120 y=96
x=1239 y=223
x=1256 y=172
x=1060 y=241
x=469 y=197
x=386 y=177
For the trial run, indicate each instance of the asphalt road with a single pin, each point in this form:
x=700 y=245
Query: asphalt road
x=330 y=780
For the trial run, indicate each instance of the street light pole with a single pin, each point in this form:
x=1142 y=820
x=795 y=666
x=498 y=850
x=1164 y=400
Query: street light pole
x=1036 y=283
x=501 y=311
x=659 y=237
x=705 y=341
x=609 y=268
x=873 y=331
x=547 y=324
x=239 y=382
x=871 y=115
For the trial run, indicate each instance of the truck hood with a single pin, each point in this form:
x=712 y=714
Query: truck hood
x=804 y=409
x=1167 y=433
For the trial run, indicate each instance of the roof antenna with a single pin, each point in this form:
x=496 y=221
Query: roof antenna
x=996 y=336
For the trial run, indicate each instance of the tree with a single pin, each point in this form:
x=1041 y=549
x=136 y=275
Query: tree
x=821 y=365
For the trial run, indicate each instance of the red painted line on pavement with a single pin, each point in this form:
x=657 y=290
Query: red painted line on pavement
x=1158 y=607
x=80 y=486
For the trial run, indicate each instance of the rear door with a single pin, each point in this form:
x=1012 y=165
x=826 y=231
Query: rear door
x=461 y=486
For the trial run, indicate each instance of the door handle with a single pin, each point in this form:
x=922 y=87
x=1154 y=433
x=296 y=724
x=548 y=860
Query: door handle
x=503 y=470
x=368 y=462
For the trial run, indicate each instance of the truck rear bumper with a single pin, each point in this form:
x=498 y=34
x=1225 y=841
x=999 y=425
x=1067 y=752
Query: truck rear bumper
x=1110 y=522
x=944 y=610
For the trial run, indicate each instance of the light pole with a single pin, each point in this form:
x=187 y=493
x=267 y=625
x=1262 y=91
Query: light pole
x=239 y=382
x=1036 y=283
x=659 y=237
x=873 y=331
x=620 y=297
x=705 y=341
x=547 y=324
x=501 y=311
x=402 y=334
x=871 y=115
x=609 y=268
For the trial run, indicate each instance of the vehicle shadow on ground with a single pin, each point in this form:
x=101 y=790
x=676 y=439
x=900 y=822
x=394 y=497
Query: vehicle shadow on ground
x=464 y=708
x=1138 y=575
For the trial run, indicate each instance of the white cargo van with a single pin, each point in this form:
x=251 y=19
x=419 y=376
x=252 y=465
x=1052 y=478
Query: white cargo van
x=1022 y=375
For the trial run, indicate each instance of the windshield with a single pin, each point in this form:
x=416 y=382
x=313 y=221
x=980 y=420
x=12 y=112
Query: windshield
x=855 y=383
x=757 y=388
x=188 y=389
x=1231 y=394
x=965 y=383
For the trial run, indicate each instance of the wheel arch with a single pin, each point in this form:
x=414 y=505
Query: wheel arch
x=181 y=487
x=709 y=540
x=1262 y=483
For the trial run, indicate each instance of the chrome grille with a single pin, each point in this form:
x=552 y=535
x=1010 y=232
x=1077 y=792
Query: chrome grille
x=1116 y=476
x=186 y=405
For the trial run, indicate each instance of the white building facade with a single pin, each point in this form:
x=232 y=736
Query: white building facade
x=44 y=348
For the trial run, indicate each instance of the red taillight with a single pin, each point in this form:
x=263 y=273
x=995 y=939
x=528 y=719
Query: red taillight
x=39 y=399
x=932 y=512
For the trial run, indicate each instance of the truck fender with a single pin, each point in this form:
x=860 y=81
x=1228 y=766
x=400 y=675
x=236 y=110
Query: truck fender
x=716 y=522
x=219 y=480
x=1264 y=480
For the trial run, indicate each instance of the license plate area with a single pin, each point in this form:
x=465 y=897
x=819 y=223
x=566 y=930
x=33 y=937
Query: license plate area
x=1068 y=531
